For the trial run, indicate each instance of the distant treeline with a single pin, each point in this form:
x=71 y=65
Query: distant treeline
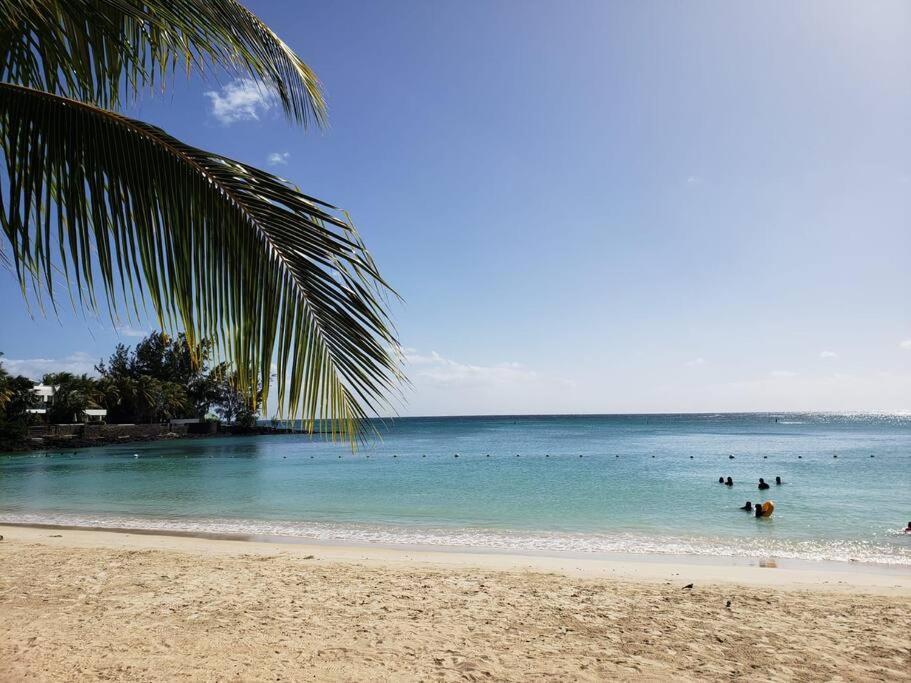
x=162 y=378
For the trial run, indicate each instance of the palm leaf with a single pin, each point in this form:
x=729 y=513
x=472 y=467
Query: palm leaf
x=225 y=250
x=102 y=50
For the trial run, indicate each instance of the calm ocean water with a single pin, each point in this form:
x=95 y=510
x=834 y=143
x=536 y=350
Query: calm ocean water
x=643 y=484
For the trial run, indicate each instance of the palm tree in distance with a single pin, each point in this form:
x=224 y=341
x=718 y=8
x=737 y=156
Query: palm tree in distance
x=113 y=210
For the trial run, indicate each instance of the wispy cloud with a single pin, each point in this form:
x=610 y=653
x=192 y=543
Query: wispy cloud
x=693 y=180
x=243 y=99
x=128 y=331
x=906 y=344
x=444 y=386
x=695 y=363
x=825 y=355
x=278 y=158
x=35 y=368
x=440 y=370
x=782 y=374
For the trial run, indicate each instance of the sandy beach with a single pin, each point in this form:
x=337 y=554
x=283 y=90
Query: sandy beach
x=83 y=605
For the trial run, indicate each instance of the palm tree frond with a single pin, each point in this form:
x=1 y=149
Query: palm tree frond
x=224 y=250
x=102 y=50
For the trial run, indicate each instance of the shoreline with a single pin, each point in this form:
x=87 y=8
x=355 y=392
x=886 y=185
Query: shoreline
x=648 y=548
x=780 y=574
x=32 y=445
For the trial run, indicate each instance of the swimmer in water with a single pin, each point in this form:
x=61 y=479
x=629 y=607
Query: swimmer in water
x=729 y=482
x=748 y=507
x=720 y=480
x=777 y=481
x=908 y=528
x=758 y=509
x=762 y=485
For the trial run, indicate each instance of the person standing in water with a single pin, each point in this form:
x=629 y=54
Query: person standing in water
x=762 y=485
x=748 y=507
x=729 y=482
x=777 y=481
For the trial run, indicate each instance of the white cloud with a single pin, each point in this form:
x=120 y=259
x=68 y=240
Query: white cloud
x=278 y=158
x=443 y=386
x=828 y=355
x=128 y=331
x=696 y=362
x=693 y=180
x=782 y=374
x=906 y=344
x=440 y=370
x=34 y=368
x=243 y=99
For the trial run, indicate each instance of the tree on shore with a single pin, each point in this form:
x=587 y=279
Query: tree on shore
x=73 y=394
x=5 y=388
x=123 y=212
x=161 y=379
x=154 y=382
x=16 y=397
x=165 y=378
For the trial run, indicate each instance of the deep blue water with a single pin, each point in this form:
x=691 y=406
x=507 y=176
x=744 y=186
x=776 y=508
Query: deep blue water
x=643 y=484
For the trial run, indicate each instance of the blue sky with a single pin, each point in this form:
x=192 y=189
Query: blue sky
x=596 y=206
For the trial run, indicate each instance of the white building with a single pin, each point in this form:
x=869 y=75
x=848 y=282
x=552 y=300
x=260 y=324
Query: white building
x=94 y=415
x=45 y=393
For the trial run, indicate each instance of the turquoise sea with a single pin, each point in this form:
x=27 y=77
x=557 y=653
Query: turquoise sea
x=555 y=484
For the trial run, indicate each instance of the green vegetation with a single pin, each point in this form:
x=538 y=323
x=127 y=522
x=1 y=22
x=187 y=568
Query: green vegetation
x=121 y=211
x=161 y=379
x=16 y=397
x=164 y=378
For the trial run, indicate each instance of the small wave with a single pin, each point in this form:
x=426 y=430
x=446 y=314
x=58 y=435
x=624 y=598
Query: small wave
x=499 y=540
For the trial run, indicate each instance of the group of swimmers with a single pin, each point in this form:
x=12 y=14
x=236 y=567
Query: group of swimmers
x=762 y=482
x=760 y=509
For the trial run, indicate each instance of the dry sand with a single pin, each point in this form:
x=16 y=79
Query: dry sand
x=90 y=605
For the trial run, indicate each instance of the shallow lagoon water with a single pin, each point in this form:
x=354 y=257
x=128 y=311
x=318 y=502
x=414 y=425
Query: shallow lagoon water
x=643 y=484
